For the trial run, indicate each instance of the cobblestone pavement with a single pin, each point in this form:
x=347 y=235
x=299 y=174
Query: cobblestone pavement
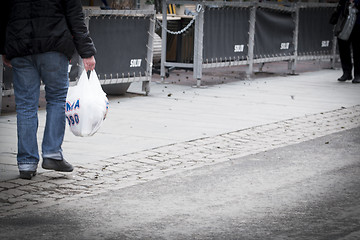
x=50 y=188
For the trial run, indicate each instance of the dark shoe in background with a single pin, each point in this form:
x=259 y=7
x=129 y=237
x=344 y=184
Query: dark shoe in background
x=57 y=165
x=345 y=77
x=356 y=80
x=27 y=174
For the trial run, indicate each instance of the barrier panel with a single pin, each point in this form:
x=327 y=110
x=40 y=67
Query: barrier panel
x=124 y=43
x=274 y=29
x=224 y=37
x=315 y=33
x=121 y=45
x=245 y=33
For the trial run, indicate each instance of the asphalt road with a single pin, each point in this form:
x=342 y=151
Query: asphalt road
x=309 y=190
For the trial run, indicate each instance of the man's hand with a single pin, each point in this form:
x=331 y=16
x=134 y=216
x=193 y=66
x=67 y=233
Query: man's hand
x=6 y=61
x=89 y=63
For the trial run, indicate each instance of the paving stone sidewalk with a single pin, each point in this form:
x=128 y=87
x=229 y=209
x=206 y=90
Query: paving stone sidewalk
x=50 y=188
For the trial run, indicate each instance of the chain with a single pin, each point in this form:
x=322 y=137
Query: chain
x=198 y=9
x=178 y=32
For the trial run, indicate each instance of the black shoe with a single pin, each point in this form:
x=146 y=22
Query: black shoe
x=356 y=80
x=345 y=77
x=57 y=165
x=27 y=174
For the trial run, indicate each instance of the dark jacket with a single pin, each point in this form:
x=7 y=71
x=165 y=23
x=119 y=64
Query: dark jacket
x=342 y=9
x=36 y=26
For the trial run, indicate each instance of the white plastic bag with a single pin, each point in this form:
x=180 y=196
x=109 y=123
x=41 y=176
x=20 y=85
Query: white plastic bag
x=86 y=105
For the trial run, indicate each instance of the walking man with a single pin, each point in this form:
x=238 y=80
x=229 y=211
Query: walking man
x=37 y=39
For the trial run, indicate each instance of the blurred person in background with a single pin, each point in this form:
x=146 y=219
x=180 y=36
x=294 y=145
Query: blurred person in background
x=353 y=43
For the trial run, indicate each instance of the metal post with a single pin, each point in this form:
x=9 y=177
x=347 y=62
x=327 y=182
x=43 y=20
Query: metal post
x=261 y=67
x=251 y=44
x=149 y=57
x=81 y=63
x=163 y=40
x=198 y=45
x=333 y=59
x=293 y=62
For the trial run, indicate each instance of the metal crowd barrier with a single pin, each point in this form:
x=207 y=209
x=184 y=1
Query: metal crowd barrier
x=124 y=43
x=246 y=33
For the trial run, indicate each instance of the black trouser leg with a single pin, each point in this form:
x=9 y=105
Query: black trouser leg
x=345 y=56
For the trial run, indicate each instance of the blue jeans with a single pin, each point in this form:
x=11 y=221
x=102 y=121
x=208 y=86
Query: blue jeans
x=28 y=71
